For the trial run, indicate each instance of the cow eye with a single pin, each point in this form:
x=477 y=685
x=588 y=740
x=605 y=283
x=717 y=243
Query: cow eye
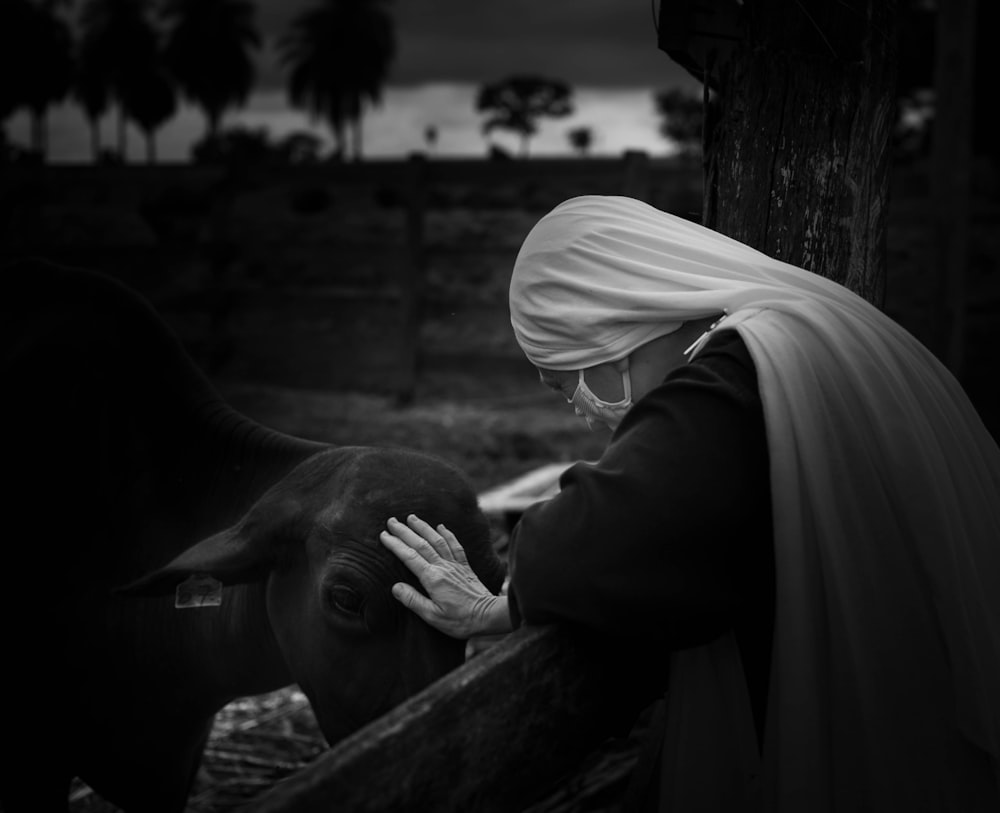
x=346 y=599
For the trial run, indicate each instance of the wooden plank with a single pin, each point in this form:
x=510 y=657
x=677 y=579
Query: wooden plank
x=494 y=735
x=516 y=495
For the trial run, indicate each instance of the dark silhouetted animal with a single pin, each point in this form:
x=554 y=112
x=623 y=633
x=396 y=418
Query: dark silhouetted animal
x=126 y=472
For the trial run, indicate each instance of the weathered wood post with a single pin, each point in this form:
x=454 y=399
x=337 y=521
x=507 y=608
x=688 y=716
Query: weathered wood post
x=411 y=279
x=951 y=172
x=798 y=159
x=491 y=737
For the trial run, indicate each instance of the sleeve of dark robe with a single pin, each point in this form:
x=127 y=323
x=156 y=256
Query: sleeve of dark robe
x=665 y=542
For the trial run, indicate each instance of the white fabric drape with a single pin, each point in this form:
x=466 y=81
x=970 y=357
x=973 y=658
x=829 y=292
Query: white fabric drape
x=885 y=680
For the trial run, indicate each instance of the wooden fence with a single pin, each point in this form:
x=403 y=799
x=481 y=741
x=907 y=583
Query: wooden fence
x=494 y=736
x=326 y=277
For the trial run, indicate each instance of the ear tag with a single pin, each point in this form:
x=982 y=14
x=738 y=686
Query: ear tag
x=198 y=590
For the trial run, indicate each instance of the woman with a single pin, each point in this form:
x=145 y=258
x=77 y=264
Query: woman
x=798 y=501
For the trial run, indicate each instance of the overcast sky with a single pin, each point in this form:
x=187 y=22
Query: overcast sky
x=605 y=49
x=583 y=42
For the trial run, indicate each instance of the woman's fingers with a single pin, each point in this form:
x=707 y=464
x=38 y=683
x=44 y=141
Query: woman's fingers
x=411 y=558
x=444 y=542
x=431 y=544
x=420 y=547
x=416 y=538
x=455 y=549
x=457 y=602
x=413 y=600
x=432 y=536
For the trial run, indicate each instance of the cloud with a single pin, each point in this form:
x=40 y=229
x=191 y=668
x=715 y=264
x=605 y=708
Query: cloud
x=605 y=49
x=586 y=42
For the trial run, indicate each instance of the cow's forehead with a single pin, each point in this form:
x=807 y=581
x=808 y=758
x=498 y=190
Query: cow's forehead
x=389 y=474
x=375 y=483
x=366 y=510
x=388 y=471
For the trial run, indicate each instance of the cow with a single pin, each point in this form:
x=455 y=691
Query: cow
x=165 y=554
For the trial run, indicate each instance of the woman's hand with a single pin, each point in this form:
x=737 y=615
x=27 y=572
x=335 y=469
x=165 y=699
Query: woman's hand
x=457 y=603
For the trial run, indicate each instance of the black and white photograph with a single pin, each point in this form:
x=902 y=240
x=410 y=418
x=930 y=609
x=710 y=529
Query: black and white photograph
x=419 y=406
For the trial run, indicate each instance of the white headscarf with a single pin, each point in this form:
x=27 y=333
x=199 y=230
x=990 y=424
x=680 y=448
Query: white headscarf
x=599 y=276
x=885 y=681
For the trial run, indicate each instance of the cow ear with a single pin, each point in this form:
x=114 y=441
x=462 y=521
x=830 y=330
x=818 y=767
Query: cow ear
x=239 y=554
x=228 y=556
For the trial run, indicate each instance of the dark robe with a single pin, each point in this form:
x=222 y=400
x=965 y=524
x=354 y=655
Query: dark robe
x=666 y=542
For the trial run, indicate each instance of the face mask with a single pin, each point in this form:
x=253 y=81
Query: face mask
x=593 y=409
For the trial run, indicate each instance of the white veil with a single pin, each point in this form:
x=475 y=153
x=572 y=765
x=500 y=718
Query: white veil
x=885 y=678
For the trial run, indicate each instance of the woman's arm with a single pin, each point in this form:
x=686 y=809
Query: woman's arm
x=668 y=536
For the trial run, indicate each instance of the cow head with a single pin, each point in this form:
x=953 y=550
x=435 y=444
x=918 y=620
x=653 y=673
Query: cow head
x=312 y=542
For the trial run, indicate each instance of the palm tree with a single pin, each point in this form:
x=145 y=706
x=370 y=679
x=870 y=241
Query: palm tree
x=118 y=45
x=92 y=95
x=151 y=101
x=339 y=54
x=208 y=53
x=92 y=90
x=15 y=16
x=38 y=64
x=683 y=117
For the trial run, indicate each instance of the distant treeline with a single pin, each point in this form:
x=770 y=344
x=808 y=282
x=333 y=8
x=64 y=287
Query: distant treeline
x=138 y=58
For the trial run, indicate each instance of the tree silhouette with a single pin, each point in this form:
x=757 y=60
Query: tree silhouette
x=118 y=53
x=92 y=91
x=15 y=18
x=516 y=104
x=683 y=119
x=208 y=53
x=36 y=63
x=151 y=101
x=581 y=139
x=339 y=53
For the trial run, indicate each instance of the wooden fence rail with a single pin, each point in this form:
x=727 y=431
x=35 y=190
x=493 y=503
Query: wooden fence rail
x=494 y=735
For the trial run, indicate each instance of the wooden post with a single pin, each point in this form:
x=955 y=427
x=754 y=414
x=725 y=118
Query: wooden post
x=951 y=162
x=798 y=161
x=635 y=175
x=494 y=735
x=411 y=276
